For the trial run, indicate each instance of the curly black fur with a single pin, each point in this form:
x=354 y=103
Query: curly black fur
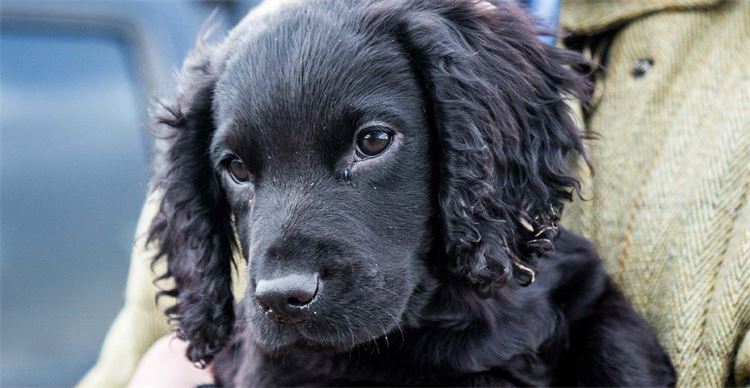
x=441 y=261
x=488 y=80
x=193 y=226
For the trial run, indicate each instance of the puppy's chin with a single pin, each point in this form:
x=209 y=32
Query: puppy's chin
x=329 y=335
x=279 y=341
x=301 y=347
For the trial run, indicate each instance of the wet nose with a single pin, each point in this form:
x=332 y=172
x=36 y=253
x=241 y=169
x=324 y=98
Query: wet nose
x=285 y=299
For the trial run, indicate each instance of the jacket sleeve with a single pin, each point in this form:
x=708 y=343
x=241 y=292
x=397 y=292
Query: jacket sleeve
x=742 y=365
x=742 y=359
x=140 y=322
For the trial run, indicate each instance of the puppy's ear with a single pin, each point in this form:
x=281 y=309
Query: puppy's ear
x=193 y=228
x=498 y=101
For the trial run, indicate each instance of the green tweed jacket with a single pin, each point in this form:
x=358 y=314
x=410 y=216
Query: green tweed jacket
x=668 y=206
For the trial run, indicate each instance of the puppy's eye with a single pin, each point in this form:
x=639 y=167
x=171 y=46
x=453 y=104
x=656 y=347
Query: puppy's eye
x=373 y=141
x=237 y=170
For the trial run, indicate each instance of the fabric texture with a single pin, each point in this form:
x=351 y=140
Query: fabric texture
x=668 y=206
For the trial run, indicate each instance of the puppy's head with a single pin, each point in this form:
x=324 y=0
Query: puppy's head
x=355 y=152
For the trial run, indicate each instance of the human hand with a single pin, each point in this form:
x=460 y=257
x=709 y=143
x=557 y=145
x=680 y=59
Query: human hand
x=165 y=365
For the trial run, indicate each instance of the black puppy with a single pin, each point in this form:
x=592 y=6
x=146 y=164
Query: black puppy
x=393 y=172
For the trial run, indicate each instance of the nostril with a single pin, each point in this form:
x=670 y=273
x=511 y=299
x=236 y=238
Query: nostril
x=284 y=297
x=302 y=296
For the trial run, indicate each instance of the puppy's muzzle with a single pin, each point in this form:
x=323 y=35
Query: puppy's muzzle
x=286 y=299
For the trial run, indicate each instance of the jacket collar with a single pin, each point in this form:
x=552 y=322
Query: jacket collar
x=593 y=16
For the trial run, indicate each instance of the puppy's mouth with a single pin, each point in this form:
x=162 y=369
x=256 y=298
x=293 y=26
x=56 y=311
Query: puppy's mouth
x=305 y=346
x=282 y=339
x=332 y=315
x=324 y=332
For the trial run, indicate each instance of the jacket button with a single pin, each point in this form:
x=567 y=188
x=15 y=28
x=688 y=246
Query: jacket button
x=642 y=66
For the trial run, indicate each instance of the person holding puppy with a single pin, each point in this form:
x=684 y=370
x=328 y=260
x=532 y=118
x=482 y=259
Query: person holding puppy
x=668 y=207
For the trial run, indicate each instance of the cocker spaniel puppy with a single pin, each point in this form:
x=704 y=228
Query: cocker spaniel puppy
x=393 y=172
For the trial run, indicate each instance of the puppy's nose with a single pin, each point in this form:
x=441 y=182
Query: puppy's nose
x=285 y=299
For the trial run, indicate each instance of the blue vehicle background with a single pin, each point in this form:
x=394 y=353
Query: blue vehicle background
x=75 y=83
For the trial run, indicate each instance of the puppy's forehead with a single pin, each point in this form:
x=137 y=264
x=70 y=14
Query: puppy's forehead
x=311 y=68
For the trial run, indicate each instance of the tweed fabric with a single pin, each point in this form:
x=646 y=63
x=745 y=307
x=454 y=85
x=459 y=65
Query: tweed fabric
x=668 y=205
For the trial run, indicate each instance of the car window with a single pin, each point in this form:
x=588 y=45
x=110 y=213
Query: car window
x=75 y=80
x=73 y=161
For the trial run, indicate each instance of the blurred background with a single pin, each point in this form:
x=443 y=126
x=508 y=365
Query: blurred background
x=76 y=78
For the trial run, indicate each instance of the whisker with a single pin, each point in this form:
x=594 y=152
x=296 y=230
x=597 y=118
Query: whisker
x=395 y=320
x=385 y=335
x=385 y=289
x=349 y=325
